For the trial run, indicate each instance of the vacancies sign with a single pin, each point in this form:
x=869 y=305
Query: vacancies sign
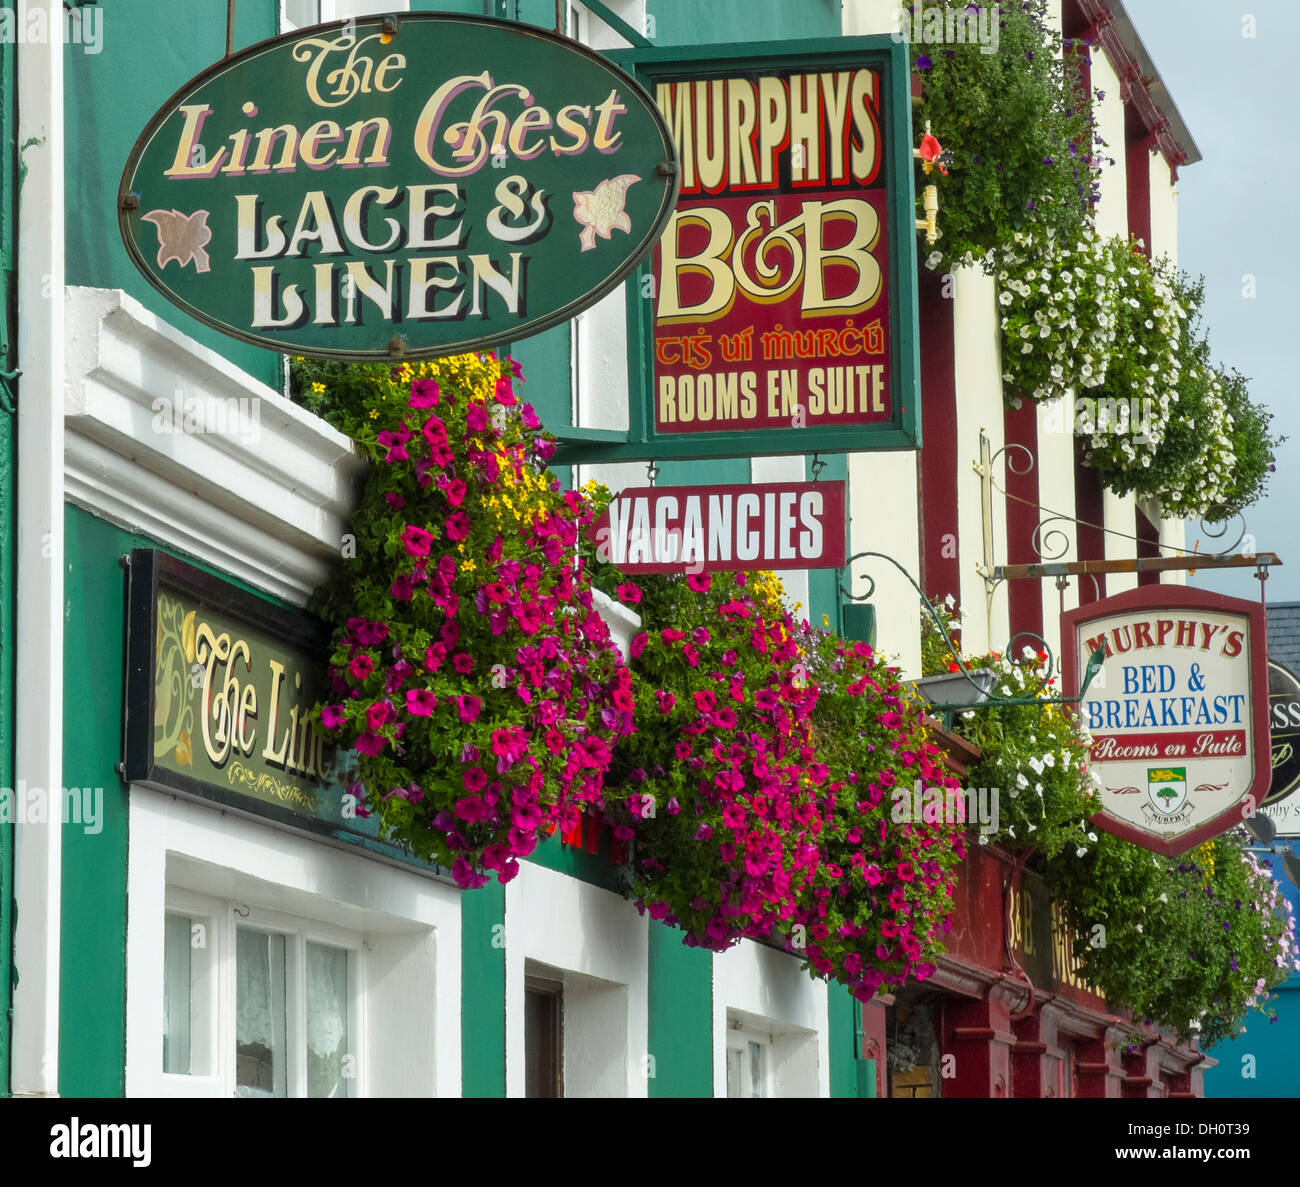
x=1179 y=715
x=694 y=529
x=413 y=186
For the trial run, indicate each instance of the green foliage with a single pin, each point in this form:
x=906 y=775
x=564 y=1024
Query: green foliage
x=1023 y=147
x=1190 y=942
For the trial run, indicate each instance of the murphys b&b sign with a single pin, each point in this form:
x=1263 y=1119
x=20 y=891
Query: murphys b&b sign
x=419 y=186
x=1179 y=715
x=780 y=315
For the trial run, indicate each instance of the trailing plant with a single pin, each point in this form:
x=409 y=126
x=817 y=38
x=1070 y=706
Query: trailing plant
x=470 y=671
x=774 y=818
x=1131 y=408
x=1017 y=125
x=1035 y=755
x=1213 y=452
x=718 y=781
x=881 y=897
x=1189 y=942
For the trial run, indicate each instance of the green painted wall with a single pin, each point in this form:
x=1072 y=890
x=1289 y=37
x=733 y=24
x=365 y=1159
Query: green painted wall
x=688 y=22
x=149 y=50
x=92 y=1009
x=92 y=991
x=843 y=1040
x=8 y=526
x=681 y=1016
x=824 y=584
x=483 y=991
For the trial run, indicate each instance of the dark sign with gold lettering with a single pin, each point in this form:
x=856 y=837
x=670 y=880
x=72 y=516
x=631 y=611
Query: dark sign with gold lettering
x=220 y=686
x=1284 y=721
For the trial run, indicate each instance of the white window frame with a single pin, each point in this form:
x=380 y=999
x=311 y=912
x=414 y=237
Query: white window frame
x=408 y=926
x=215 y=993
x=762 y=995
x=598 y=336
x=743 y=1036
x=596 y=945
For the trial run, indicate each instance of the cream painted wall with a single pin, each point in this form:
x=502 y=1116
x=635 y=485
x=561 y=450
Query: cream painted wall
x=883 y=518
x=1164 y=242
x=870 y=16
x=1112 y=210
x=978 y=365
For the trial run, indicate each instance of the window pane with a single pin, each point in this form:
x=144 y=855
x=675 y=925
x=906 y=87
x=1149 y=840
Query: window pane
x=260 y=1013
x=755 y=1070
x=176 y=995
x=735 y=1072
x=298 y=13
x=543 y=1040
x=327 y=1021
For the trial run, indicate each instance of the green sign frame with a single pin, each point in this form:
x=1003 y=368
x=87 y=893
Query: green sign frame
x=406 y=186
x=641 y=442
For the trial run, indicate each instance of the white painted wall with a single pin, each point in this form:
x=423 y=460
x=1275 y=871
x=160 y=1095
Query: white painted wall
x=767 y=988
x=1112 y=210
x=38 y=593
x=597 y=944
x=411 y=922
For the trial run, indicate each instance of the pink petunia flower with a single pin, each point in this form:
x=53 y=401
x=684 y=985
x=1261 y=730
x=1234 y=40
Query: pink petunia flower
x=420 y=702
x=424 y=393
x=332 y=716
x=416 y=541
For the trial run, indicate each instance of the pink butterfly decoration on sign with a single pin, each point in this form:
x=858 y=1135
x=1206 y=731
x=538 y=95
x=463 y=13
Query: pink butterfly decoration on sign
x=181 y=237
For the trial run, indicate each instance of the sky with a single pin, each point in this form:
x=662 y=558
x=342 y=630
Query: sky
x=1236 y=93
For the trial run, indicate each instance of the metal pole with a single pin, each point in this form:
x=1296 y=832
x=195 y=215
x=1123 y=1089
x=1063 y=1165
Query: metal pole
x=230 y=27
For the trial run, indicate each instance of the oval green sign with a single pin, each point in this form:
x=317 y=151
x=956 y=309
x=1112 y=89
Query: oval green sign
x=389 y=187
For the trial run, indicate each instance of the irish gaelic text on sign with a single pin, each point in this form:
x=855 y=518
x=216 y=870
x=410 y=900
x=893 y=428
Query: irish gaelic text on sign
x=772 y=280
x=438 y=187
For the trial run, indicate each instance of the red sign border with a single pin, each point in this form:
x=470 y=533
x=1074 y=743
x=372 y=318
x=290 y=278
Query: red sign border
x=1175 y=597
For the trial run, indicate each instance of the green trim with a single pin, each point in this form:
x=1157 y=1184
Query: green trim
x=640 y=443
x=8 y=524
x=593 y=868
x=680 y=993
x=483 y=991
x=92 y=989
x=824 y=584
x=842 y=1027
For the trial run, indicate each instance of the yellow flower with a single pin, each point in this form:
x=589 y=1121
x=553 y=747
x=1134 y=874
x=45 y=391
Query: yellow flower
x=374 y=414
x=826 y=622
x=467 y=566
x=318 y=387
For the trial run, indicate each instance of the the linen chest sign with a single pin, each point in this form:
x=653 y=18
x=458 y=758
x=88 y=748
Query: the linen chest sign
x=421 y=185
x=1179 y=716
x=220 y=688
x=772 y=280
